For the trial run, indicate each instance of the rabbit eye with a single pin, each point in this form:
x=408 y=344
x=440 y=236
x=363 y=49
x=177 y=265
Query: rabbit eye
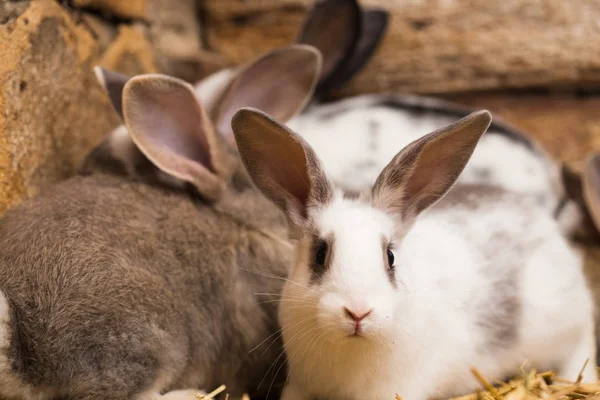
x=321 y=252
x=390 y=257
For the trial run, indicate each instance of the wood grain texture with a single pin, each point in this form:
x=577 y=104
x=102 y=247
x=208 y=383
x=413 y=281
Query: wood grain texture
x=436 y=46
x=124 y=9
x=53 y=111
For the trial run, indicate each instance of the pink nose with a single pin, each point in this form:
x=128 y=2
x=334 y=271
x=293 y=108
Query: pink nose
x=356 y=316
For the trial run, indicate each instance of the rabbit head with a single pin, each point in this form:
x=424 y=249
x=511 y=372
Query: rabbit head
x=345 y=276
x=162 y=142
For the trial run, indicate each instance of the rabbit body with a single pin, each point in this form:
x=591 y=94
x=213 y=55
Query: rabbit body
x=114 y=289
x=485 y=280
x=144 y=276
x=404 y=288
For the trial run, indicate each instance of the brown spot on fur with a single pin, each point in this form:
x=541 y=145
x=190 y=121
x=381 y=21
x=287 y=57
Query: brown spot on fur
x=499 y=312
x=352 y=194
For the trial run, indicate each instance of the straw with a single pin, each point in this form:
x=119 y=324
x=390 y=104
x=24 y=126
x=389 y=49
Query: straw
x=531 y=385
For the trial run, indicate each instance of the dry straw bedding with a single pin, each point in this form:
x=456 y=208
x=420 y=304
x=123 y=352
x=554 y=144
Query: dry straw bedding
x=528 y=386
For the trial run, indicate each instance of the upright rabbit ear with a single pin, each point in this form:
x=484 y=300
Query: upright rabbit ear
x=210 y=89
x=281 y=164
x=591 y=187
x=168 y=124
x=280 y=83
x=374 y=25
x=333 y=27
x=427 y=168
x=113 y=83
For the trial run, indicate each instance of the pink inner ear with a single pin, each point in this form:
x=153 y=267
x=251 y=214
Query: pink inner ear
x=285 y=161
x=279 y=83
x=435 y=172
x=294 y=178
x=176 y=122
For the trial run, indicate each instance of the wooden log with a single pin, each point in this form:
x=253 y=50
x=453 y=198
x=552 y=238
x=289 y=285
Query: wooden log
x=125 y=9
x=435 y=46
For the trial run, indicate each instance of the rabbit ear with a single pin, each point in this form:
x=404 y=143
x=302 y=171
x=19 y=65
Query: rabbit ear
x=280 y=83
x=168 y=124
x=427 y=168
x=210 y=89
x=591 y=187
x=333 y=27
x=374 y=25
x=113 y=83
x=281 y=164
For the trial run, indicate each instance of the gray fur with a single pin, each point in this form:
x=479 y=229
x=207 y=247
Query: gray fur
x=123 y=284
x=114 y=283
x=374 y=127
x=483 y=173
x=499 y=311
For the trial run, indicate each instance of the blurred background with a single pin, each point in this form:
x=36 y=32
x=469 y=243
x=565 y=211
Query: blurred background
x=533 y=62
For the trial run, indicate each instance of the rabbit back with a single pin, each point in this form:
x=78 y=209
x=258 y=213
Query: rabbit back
x=116 y=288
x=503 y=265
x=357 y=137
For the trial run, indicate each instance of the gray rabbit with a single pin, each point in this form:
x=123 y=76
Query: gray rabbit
x=139 y=278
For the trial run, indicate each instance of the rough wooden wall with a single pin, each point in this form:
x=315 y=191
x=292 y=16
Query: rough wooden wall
x=52 y=111
x=438 y=46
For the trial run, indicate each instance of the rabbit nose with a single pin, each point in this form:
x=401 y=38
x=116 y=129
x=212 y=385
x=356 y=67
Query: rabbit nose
x=357 y=316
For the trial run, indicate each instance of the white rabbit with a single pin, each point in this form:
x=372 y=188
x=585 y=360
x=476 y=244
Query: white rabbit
x=395 y=293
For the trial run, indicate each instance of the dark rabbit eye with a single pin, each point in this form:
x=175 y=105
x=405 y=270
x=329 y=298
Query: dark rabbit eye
x=390 y=256
x=321 y=252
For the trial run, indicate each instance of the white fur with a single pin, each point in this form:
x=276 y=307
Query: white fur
x=10 y=385
x=342 y=142
x=210 y=89
x=422 y=337
x=122 y=147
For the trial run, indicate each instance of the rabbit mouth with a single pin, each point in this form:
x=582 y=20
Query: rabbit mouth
x=356 y=331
